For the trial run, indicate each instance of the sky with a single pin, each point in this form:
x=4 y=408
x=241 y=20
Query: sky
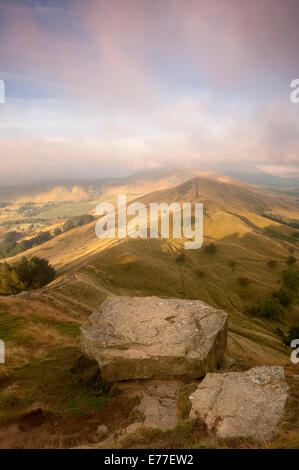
x=97 y=88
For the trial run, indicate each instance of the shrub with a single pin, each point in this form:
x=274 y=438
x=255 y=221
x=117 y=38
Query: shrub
x=77 y=221
x=200 y=273
x=293 y=333
x=57 y=231
x=7 y=249
x=284 y=296
x=10 y=283
x=12 y=236
x=232 y=265
x=180 y=258
x=273 y=307
x=291 y=279
x=41 y=237
x=211 y=248
x=244 y=281
x=291 y=260
x=278 y=331
x=270 y=308
x=272 y=263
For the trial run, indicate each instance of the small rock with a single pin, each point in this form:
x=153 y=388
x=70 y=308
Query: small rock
x=158 y=413
x=133 y=427
x=102 y=429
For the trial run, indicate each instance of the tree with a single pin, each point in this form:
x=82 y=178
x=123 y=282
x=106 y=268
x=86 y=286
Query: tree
x=57 y=231
x=291 y=279
x=77 y=221
x=9 y=281
x=25 y=275
x=12 y=236
x=34 y=273
x=272 y=263
x=41 y=237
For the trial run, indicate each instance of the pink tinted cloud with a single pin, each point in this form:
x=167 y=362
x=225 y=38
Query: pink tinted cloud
x=136 y=58
x=230 y=40
x=115 y=52
x=97 y=66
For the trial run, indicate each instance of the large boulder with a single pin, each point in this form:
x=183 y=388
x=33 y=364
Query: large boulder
x=145 y=337
x=241 y=404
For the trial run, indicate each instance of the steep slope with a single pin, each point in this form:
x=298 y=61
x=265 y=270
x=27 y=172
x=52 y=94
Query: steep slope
x=230 y=210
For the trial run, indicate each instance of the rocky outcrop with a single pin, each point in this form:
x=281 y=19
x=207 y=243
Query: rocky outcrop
x=150 y=346
x=150 y=337
x=241 y=403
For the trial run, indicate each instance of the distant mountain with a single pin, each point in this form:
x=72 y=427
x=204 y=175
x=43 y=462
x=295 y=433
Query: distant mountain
x=139 y=183
x=50 y=192
x=263 y=179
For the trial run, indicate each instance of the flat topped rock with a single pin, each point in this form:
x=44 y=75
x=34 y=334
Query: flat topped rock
x=241 y=404
x=144 y=337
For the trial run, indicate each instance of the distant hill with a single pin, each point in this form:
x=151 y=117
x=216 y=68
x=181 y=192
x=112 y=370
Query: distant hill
x=58 y=191
x=138 y=183
x=240 y=205
x=263 y=179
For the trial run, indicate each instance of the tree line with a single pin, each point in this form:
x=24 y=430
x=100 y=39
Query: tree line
x=11 y=245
